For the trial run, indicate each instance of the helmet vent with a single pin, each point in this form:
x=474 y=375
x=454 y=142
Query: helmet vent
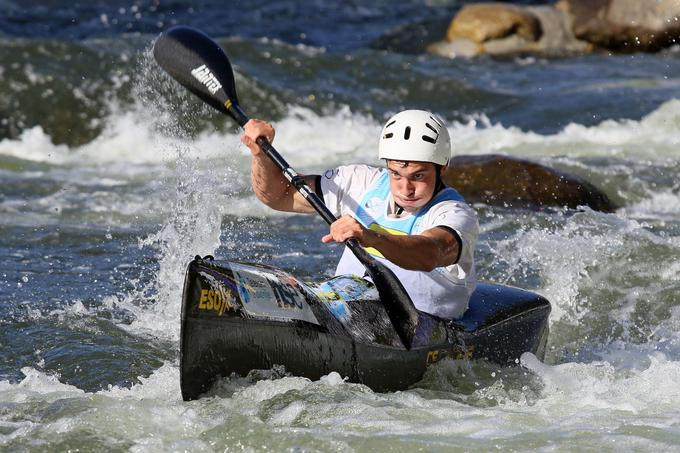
x=407 y=132
x=436 y=121
x=429 y=126
x=390 y=123
x=429 y=139
x=388 y=135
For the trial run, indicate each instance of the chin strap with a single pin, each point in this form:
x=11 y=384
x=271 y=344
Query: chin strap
x=439 y=183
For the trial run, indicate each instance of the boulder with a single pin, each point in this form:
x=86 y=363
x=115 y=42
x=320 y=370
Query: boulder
x=625 y=25
x=500 y=180
x=571 y=26
x=499 y=29
x=559 y=39
x=487 y=21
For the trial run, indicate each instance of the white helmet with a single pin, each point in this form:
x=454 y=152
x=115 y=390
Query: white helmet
x=415 y=135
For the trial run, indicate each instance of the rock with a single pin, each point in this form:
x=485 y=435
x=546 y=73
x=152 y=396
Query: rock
x=499 y=29
x=486 y=21
x=500 y=180
x=559 y=38
x=625 y=25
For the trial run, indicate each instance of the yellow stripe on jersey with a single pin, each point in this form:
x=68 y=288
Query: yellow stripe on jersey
x=381 y=229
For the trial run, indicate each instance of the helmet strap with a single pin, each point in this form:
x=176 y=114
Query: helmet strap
x=439 y=183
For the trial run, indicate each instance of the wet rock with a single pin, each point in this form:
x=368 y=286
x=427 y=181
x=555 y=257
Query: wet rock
x=559 y=40
x=488 y=21
x=500 y=180
x=625 y=25
x=499 y=29
x=568 y=27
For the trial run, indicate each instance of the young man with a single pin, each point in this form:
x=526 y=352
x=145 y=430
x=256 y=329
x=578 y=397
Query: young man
x=403 y=214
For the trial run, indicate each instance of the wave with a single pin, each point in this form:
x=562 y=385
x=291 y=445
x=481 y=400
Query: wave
x=317 y=140
x=139 y=150
x=653 y=137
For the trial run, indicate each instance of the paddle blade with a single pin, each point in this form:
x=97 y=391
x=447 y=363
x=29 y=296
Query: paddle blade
x=200 y=65
x=395 y=299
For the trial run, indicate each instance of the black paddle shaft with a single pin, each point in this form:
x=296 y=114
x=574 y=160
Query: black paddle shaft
x=295 y=180
x=312 y=198
x=201 y=66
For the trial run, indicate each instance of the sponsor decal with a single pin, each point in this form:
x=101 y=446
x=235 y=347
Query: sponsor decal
x=207 y=78
x=271 y=295
x=287 y=294
x=458 y=353
x=339 y=309
x=215 y=300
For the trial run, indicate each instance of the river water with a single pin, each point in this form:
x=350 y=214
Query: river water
x=112 y=178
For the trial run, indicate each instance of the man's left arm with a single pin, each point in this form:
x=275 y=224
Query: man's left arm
x=436 y=247
x=432 y=248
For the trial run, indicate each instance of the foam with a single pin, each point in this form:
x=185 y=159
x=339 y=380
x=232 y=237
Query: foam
x=35 y=145
x=653 y=137
x=587 y=397
x=662 y=204
x=35 y=384
x=319 y=141
x=603 y=387
x=313 y=141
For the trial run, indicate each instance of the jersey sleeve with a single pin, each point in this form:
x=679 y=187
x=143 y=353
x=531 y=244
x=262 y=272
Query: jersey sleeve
x=344 y=187
x=460 y=217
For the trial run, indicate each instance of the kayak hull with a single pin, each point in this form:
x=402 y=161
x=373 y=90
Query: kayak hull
x=242 y=317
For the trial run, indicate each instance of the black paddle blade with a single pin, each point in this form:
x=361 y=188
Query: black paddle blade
x=395 y=299
x=200 y=65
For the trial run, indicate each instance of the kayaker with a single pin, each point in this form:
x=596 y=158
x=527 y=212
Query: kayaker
x=402 y=213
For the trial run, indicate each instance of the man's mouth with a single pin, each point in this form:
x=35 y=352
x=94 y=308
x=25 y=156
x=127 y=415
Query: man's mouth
x=407 y=200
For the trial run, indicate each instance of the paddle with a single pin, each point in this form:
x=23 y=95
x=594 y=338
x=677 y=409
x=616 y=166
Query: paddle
x=201 y=66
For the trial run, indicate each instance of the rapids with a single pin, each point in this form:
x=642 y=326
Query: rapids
x=112 y=179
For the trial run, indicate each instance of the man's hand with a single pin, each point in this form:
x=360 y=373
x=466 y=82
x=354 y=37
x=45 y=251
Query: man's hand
x=346 y=227
x=254 y=129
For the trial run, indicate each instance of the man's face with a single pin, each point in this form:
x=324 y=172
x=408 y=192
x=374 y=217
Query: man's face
x=412 y=183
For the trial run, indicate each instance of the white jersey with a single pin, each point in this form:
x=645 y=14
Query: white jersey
x=363 y=192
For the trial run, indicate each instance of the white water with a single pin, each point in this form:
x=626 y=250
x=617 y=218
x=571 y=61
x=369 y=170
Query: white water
x=130 y=151
x=595 y=268
x=316 y=142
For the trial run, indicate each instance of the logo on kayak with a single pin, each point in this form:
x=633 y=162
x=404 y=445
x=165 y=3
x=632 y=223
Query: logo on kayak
x=207 y=78
x=287 y=295
x=271 y=294
x=215 y=300
x=457 y=353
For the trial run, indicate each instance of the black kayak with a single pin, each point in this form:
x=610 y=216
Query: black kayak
x=242 y=317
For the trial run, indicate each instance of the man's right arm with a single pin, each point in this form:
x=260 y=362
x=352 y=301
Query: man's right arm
x=267 y=180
